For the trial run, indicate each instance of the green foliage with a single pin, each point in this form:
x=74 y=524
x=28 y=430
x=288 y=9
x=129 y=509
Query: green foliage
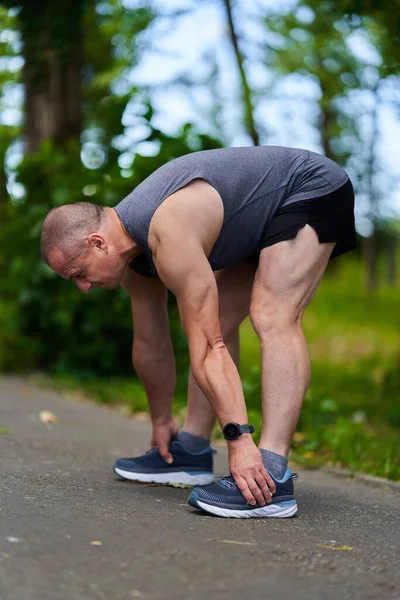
x=45 y=321
x=375 y=15
x=317 y=49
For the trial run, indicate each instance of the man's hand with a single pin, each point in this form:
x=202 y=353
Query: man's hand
x=247 y=468
x=162 y=436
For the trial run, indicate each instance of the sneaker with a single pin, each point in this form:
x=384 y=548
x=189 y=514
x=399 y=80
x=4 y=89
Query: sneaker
x=188 y=468
x=224 y=499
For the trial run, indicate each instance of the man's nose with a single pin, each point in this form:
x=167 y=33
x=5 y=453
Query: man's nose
x=84 y=286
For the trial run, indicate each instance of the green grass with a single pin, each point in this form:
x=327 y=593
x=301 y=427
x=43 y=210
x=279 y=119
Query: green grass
x=351 y=414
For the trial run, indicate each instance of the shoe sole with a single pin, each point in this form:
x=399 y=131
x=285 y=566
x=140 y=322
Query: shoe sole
x=280 y=510
x=178 y=478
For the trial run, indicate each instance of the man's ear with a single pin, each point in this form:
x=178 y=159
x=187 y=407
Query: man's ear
x=97 y=241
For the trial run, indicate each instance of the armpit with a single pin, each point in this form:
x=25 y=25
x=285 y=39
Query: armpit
x=142 y=267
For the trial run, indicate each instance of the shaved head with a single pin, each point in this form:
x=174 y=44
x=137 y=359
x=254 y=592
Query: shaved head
x=87 y=244
x=67 y=227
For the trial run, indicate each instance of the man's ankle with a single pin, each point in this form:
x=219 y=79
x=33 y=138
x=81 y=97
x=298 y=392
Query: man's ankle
x=193 y=443
x=276 y=464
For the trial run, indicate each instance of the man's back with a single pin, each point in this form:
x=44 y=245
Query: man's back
x=253 y=182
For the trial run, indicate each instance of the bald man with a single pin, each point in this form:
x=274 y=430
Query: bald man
x=230 y=232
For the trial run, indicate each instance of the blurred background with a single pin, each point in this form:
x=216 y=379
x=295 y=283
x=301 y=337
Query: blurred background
x=95 y=95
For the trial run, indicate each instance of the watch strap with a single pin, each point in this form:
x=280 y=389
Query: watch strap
x=247 y=428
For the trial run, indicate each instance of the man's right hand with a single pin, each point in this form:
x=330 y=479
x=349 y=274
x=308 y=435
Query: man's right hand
x=162 y=436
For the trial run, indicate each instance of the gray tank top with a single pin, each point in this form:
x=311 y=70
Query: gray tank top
x=254 y=183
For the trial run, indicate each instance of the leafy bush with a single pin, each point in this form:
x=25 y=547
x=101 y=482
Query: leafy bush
x=45 y=322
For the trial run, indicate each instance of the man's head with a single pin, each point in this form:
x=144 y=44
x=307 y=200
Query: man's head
x=86 y=243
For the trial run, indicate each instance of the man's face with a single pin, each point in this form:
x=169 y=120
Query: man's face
x=98 y=265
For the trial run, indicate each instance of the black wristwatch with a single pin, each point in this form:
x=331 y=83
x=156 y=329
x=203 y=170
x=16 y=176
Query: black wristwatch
x=232 y=431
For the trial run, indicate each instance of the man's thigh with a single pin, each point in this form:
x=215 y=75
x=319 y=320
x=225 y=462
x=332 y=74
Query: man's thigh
x=234 y=291
x=288 y=274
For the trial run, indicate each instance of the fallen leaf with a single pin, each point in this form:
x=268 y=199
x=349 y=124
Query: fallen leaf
x=345 y=548
x=236 y=542
x=5 y=430
x=48 y=417
x=180 y=485
x=135 y=593
x=96 y=543
x=5 y=555
x=299 y=437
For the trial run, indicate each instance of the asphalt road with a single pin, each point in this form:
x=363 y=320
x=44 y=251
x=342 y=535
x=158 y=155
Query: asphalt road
x=58 y=494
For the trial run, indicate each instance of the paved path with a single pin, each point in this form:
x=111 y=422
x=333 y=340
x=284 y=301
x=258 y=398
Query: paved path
x=58 y=494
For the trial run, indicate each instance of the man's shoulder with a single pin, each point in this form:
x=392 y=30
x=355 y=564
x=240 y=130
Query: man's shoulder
x=194 y=211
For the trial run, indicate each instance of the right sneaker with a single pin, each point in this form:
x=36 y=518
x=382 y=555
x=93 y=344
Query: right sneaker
x=224 y=499
x=188 y=468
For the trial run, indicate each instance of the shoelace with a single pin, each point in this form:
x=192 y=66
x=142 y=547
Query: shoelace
x=227 y=482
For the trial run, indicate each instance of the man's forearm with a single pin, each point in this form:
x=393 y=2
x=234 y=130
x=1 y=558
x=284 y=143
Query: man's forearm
x=218 y=377
x=156 y=370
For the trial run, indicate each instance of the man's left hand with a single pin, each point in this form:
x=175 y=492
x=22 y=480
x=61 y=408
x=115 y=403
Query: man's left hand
x=247 y=468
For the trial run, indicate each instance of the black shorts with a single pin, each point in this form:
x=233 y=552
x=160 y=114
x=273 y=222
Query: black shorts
x=332 y=217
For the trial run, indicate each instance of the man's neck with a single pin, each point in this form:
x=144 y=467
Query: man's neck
x=127 y=246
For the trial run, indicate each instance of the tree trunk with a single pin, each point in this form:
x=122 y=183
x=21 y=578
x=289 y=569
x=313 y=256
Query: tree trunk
x=53 y=110
x=246 y=94
x=52 y=71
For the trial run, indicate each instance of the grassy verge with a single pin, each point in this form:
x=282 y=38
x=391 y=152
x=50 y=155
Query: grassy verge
x=351 y=414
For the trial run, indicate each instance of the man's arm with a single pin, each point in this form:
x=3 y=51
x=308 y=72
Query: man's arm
x=183 y=267
x=152 y=353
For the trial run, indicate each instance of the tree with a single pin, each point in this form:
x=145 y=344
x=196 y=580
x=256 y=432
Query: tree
x=248 y=108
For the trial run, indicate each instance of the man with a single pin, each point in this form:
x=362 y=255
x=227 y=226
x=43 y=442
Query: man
x=266 y=220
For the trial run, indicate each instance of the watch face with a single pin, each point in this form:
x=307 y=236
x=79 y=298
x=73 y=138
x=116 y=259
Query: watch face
x=231 y=431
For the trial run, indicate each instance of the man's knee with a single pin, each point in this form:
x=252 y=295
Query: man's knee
x=271 y=315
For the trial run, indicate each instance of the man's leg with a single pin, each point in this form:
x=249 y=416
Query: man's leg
x=234 y=291
x=286 y=280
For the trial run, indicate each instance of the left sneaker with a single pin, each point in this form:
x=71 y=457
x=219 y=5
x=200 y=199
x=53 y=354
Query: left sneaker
x=188 y=468
x=224 y=499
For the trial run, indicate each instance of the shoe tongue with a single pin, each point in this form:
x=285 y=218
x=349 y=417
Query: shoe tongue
x=228 y=482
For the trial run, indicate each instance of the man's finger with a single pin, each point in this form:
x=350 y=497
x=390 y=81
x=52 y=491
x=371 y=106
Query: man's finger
x=165 y=454
x=256 y=491
x=269 y=480
x=262 y=484
x=244 y=489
